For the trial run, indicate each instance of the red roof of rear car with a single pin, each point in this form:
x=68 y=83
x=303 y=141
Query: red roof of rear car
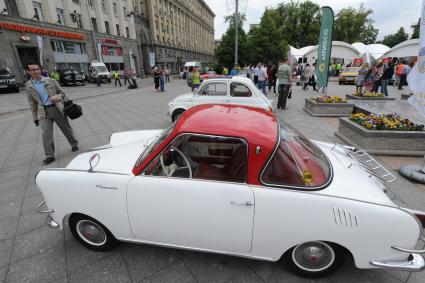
x=257 y=126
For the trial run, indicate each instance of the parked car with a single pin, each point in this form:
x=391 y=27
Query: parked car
x=349 y=75
x=209 y=75
x=225 y=90
x=234 y=180
x=70 y=77
x=8 y=81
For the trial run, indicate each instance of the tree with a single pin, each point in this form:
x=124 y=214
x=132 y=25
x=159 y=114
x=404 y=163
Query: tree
x=225 y=52
x=354 y=25
x=394 y=39
x=416 y=27
x=300 y=22
x=266 y=41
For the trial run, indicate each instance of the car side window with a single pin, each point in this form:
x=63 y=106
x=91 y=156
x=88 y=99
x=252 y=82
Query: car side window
x=214 y=89
x=240 y=90
x=203 y=157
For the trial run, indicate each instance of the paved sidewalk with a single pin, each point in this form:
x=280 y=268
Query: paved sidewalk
x=31 y=252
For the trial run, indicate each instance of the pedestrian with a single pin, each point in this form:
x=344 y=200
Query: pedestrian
x=196 y=79
x=257 y=73
x=306 y=76
x=117 y=77
x=386 y=76
x=285 y=82
x=274 y=77
x=269 y=77
x=162 y=79
x=127 y=77
x=156 y=78
x=262 y=79
x=404 y=72
x=45 y=98
x=189 y=78
x=167 y=74
x=361 y=78
x=97 y=77
x=55 y=75
x=398 y=71
x=377 y=76
x=44 y=73
x=234 y=71
x=225 y=71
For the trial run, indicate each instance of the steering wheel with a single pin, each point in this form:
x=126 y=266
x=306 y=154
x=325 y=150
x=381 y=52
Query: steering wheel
x=169 y=170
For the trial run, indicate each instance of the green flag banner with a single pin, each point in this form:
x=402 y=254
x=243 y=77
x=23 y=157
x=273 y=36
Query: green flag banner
x=325 y=46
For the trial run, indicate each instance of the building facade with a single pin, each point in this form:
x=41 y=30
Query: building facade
x=68 y=33
x=172 y=32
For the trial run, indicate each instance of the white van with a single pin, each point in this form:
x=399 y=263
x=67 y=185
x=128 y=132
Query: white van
x=193 y=64
x=101 y=71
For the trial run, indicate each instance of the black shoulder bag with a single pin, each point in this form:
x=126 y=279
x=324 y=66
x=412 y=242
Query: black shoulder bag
x=72 y=110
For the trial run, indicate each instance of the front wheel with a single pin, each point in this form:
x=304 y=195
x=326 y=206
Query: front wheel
x=314 y=259
x=91 y=233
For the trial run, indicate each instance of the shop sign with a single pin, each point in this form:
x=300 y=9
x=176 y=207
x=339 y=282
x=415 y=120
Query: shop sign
x=111 y=41
x=41 y=31
x=105 y=50
x=152 y=59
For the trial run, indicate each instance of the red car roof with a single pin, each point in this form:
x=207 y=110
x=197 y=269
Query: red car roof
x=257 y=126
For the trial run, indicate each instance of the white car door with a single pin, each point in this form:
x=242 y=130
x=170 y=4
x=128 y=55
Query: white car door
x=242 y=94
x=191 y=213
x=211 y=92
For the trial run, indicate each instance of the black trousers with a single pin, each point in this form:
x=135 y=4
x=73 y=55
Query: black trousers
x=403 y=78
x=117 y=80
x=283 y=96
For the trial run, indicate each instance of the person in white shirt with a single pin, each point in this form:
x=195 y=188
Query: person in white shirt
x=262 y=79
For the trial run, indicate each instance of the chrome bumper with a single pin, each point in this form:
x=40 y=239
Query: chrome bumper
x=49 y=219
x=415 y=262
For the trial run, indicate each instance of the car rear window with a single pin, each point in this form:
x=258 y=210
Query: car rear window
x=297 y=162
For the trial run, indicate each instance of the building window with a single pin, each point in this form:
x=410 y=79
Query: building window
x=94 y=24
x=107 y=27
x=38 y=11
x=118 y=30
x=127 y=31
x=103 y=6
x=74 y=47
x=57 y=45
x=76 y=1
x=90 y=3
x=61 y=18
x=114 y=7
x=76 y=18
x=124 y=11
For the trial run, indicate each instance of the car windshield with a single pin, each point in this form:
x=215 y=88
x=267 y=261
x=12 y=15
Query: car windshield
x=154 y=143
x=351 y=70
x=297 y=162
x=101 y=69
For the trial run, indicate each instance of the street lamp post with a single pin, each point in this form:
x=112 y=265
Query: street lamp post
x=236 y=32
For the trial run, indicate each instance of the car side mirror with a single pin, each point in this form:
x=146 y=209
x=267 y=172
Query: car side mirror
x=94 y=161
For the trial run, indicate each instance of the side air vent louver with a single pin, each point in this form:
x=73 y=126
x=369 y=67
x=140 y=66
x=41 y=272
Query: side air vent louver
x=344 y=217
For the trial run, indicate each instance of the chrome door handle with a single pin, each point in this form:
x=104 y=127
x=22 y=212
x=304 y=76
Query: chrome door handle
x=246 y=203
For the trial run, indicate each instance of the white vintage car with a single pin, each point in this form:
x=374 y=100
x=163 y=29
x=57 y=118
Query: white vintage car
x=251 y=187
x=225 y=90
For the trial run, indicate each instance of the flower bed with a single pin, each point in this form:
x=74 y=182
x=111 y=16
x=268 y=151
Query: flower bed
x=383 y=134
x=369 y=96
x=328 y=106
x=328 y=99
x=392 y=122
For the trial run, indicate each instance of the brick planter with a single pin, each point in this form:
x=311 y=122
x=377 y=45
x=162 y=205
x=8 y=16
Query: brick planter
x=328 y=109
x=350 y=96
x=404 y=143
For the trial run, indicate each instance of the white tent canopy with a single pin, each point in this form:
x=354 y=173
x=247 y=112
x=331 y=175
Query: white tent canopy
x=408 y=48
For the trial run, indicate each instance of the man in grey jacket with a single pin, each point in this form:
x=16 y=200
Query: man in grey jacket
x=45 y=97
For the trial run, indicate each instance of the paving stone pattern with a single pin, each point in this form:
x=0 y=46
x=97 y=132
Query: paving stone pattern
x=31 y=252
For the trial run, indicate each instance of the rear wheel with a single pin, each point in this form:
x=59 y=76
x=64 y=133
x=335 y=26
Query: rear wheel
x=91 y=233
x=176 y=114
x=314 y=259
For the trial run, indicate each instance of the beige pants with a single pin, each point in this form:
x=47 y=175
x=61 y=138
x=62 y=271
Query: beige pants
x=54 y=115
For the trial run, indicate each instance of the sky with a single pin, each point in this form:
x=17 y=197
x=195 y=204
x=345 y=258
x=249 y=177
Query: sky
x=389 y=15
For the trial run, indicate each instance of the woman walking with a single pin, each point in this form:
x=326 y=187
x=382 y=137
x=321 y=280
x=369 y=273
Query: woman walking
x=386 y=76
x=378 y=77
x=156 y=75
x=162 y=80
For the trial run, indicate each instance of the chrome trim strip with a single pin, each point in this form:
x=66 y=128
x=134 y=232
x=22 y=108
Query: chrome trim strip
x=38 y=209
x=51 y=223
x=414 y=263
x=408 y=250
x=80 y=170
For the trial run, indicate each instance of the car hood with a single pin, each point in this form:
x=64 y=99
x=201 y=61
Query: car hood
x=188 y=97
x=349 y=74
x=352 y=182
x=120 y=155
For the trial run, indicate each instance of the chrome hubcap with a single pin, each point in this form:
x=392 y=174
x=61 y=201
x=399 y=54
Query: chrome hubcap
x=313 y=256
x=91 y=232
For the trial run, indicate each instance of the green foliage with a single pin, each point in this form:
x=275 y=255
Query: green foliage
x=300 y=22
x=266 y=41
x=225 y=53
x=354 y=25
x=218 y=68
x=396 y=38
x=415 y=33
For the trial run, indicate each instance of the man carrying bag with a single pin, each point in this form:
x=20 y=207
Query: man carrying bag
x=45 y=98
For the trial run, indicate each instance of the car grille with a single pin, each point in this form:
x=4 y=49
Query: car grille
x=4 y=82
